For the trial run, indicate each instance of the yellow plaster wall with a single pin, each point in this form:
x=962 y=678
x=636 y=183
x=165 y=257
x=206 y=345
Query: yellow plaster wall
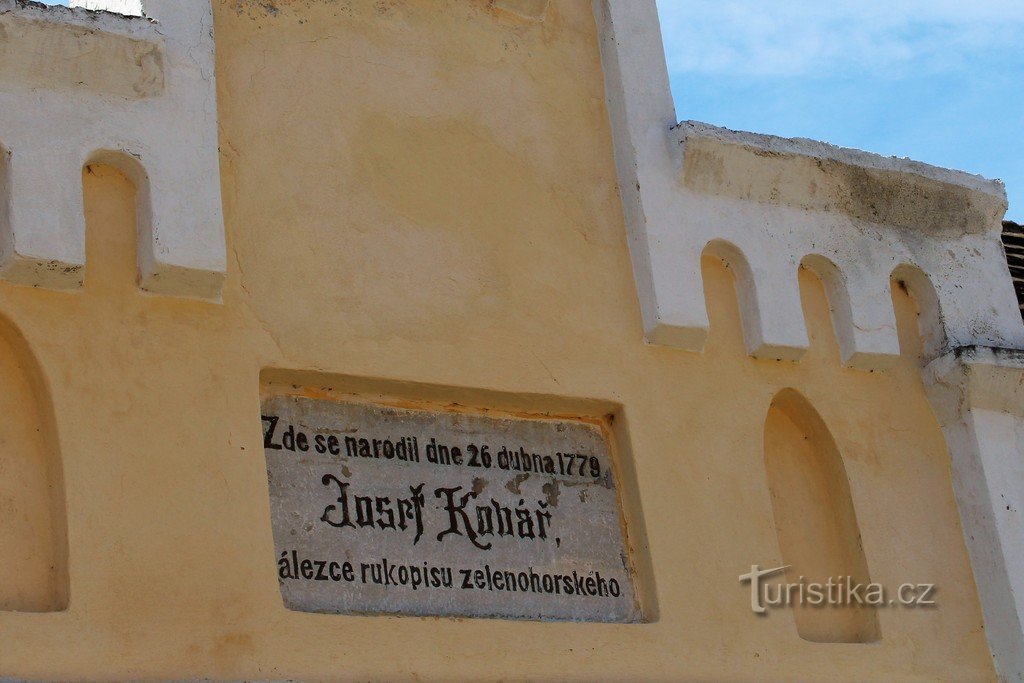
x=425 y=192
x=33 y=562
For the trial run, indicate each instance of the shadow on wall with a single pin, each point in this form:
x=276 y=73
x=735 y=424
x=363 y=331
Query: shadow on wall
x=814 y=517
x=33 y=561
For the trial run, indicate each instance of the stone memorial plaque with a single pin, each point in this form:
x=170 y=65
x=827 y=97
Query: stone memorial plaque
x=381 y=509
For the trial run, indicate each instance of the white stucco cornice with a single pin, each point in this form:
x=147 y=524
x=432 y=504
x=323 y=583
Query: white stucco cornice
x=80 y=87
x=770 y=205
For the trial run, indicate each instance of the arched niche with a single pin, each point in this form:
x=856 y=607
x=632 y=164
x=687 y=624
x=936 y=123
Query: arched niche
x=33 y=561
x=931 y=332
x=745 y=287
x=814 y=517
x=838 y=299
x=131 y=168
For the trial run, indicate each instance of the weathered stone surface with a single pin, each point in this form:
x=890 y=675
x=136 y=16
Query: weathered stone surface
x=391 y=510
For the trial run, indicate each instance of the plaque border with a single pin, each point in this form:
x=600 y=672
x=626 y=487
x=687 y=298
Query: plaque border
x=608 y=415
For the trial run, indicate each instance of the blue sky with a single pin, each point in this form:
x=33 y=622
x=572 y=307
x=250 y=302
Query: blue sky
x=940 y=81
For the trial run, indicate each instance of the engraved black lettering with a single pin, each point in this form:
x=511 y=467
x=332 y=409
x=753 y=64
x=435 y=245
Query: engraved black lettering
x=268 y=433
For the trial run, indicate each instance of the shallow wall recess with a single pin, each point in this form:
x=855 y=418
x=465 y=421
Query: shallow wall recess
x=453 y=462
x=33 y=564
x=814 y=517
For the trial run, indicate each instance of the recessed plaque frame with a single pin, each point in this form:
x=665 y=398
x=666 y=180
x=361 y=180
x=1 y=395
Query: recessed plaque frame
x=407 y=505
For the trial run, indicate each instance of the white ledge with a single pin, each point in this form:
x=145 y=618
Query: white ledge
x=807 y=147
x=817 y=176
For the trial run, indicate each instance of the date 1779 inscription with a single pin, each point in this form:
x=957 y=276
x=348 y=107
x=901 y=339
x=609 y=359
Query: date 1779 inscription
x=380 y=509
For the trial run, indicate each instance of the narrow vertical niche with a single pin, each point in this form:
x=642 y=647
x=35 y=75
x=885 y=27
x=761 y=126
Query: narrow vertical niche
x=112 y=181
x=918 y=313
x=33 y=561
x=814 y=518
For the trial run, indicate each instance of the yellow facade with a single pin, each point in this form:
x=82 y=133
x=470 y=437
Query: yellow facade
x=420 y=201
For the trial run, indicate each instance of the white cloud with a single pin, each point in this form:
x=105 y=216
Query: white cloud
x=819 y=37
